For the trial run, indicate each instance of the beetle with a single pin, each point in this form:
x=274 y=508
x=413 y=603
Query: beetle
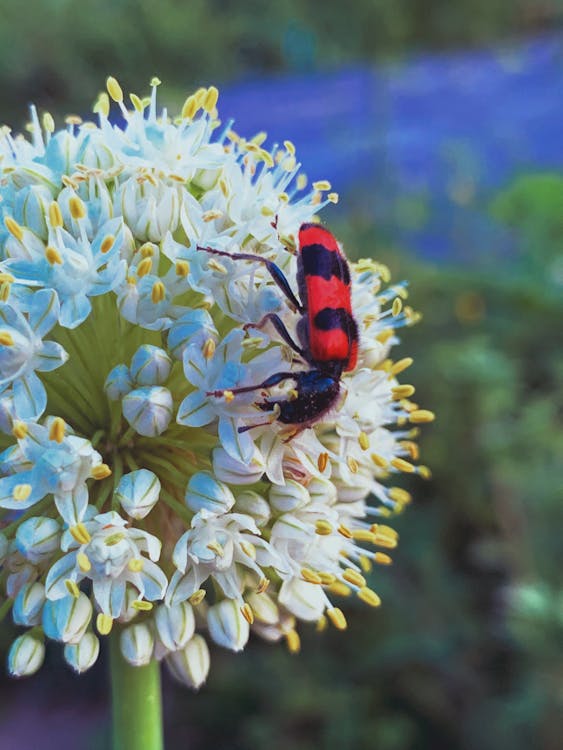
x=327 y=331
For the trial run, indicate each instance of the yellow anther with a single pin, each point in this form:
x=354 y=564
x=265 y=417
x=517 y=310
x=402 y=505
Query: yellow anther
x=401 y=365
x=382 y=559
x=135 y=565
x=363 y=535
x=353 y=465
x=336 y=616
x=345 y=531
x=289 y=147
x=55 y=215
x=247 y=613
x=333 y=197
x=217 y=548
x=302 y=182
x=80 y=533
x=421 y=416
x=5 y=289
x=380 y=528
x=228 y=396
x=385 y=335
x=107 y=243
x=73 y=120
x=190 y=108
x=155 y=81
x=21 y=492
x=112 y=539
x=288 y=164
x=136 y=102
x=114 y=89
x=53 y=256
x=322 y=624
x=146 y=250
x=323 y=528
x=48 y=122
x=182 y=268
x=77 y=207
x=6 y=338
x=57 y=430
x=327 y=579
x=352 y=576
x=142 y=606
x=19 y=429
x=399 y=495
x=266 y=157
x=365 y=562
x=197 y=597
x=13 y=228
x=158 y=292
x=397 y=306
x=363 y=440
x=72 y=588
x=215 y=265
x=83 y=562
x=412 y=448
x=200 y=95
x=402 y=391
x=101 y=105
x=101 y=471
x=6 y=278
x=425 y=472
x=213 y=213
x=104 y=624
x=322 y=462
x=293 y=641
x=379 y=461
x=401 y=465
x=339 y=589
x=385 y=541
x=293 y=394
x=249 y=549
x=283 y=197
x=209 y=348
x=310 y=576
x=144 y=267
x=211 y=98
x=262 y=585
x=322 y=185
x=369 y=597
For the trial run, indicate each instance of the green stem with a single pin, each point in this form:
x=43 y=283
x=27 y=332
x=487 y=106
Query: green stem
x=136 y=701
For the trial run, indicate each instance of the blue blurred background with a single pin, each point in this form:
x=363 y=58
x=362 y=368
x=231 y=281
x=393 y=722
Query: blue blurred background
x=439 y=123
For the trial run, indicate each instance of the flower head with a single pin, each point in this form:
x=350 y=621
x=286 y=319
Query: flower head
x=152 y=480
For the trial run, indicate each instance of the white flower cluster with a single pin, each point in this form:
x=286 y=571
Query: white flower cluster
x=140 y=491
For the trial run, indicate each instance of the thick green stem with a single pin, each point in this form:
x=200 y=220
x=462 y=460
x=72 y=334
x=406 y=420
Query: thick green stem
x=136 y=701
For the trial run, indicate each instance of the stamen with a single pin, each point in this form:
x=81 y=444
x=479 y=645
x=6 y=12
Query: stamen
x=402 y=391
x=158 y=293
x=322 y=624
x=48 y=122
x=262 y=585
x=80 y=533
x=385 y=335
x=21 y=492
x=211 y=99
x=327 y=579
x=345 y=531
x=197 y=597
x=363 y=440
x=310 y=576
x=72 y=588
x=339 y=589
x=182 y=268
x=104 y=623
x=353 y=577
x=142 y=606
x=323 y=528
x=425 y=472
x=363 y=535
x=136 y=564
x=382 y=559
x=397 y=306
x=369 y=597
x=136 y=102
x=114 y=90
x=421 y=416
x=213 y=213
x=83 y=562
x=333 y=198
x=113 y=539
x=383 y=463
x=293 y=641
x=401 y=365
x=57 y=430
x=19 y=429
x=249 y=549
x=399 y=495
x=6 y=338
x=102 y=104
x=144 y=267
x=102 y=471
x=247 y=613
x=209 y=348
x=401 y=465
x=190 y=108
x=336 y=616
x=53 y=256
x=353 y=465
x=55 y=215
x=228 y=396
x=322 y=462
x=77 y=208
x=365 y=562
x=322 y=185
x=217 y=548
x=13 y=228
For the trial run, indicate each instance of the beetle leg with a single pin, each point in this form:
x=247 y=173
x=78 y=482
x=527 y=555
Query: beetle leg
x=268 y=383
x=278 y=324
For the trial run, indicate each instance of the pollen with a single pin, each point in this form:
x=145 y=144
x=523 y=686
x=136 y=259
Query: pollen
x=72 y=588
x=352 y=576
x=80 y=533
x=363 y=440
x=104 y=623
x=182 y=268
x=101 y=471
x=57 y=430
x=19 y=429
x=209 y=348
x=336 y=616
x=421 y=416
x=369 y=597
x=83 y=562
x=114 y=89
x=21 y=492
x=228 y=396
x=247 y=613
x=322 y=462
x=323 y=528
x=144 y=267
x=197 y=597
x=107 y=243
x=142 y=606
x=77 y=208
x=401 y=465
x=158 y=292
x=53 y=256
x=55 y=215
x=13 y=228
x=293 y=641
x=310 y=576
x=6 y=339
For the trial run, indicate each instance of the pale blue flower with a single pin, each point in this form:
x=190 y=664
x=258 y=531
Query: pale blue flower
x=148 y=410
x=150 y=365
x=138 y=492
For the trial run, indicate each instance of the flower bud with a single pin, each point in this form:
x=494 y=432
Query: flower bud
x=175 y=625
x=138 y=492
x=30 y=208
x=228 y=469
x=38 y=538
x=227 y=625
x=150 y=365
x=118 y=383
x=322 y=490
x=148 y=410
x=305 y=600
x=205 y=492
x=252 y=504
x=137 y=645
x=290 y=496
x=194 y=327
x=82 y=655
x=25 y=656
x=28 y=604
x=66 y=619
x=264 y=607
x=190 y=665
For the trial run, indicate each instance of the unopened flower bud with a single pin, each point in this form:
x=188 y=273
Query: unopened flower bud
x=28 y=604
x=82 y=655
x=228 y=469
x=175 y=625
x=252 y=504
x=150 y=365
x=205 y=492
x=137 y=644
x=190 y=665
x=118 y=383
x=38 y=538
x=66 y=619
x=227 y=625
x=264 y=608
x=138 y=492
x=290 y=496
x=148 y=410
x=26 y=656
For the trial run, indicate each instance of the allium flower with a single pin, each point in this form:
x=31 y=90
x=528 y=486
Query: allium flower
x=141 y=490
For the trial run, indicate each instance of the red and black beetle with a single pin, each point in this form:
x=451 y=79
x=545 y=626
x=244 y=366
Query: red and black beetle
x=327 y=331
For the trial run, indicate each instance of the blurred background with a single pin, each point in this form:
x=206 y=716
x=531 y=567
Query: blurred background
x=439 y=123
